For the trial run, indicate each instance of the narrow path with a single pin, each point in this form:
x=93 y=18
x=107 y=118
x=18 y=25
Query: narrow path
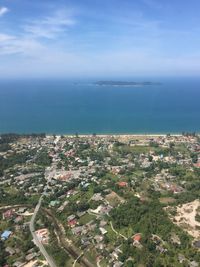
x=77 y=259
x=116 y=231
x=98 y=263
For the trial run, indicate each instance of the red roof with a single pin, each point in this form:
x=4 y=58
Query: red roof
x=197 y=164
x=137 y=237
x=72 y=223
x=8 y=214
x=122 y=184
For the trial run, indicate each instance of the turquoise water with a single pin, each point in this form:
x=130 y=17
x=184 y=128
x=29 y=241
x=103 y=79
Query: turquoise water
x=70 y=107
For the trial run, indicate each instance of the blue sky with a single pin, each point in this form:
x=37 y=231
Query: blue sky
x=105 y=38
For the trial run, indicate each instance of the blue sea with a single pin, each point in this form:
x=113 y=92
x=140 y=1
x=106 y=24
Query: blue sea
x=68 y=107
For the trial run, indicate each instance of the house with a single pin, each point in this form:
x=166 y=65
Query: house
x=122 y=184
x=98 y=238
x=18 y=264
x=77 y=230
x=197 y=165
x=10 y=250
x=6 y=234
x=103 y=230
x=8 y=214
x=22 y=210
x=137 y=237
x=71 y=218
x=18 y=219
x=102 y=223
x=181 y=258
x=100 y=246
x=161 y=249
x=43 y=235
x=53 y=203
x=72 y=223
x=197 y=244
x=101 y=209
x=30 y=256
x=118 y=264
x=193 y=264
x=85 y=241
x=97 y=197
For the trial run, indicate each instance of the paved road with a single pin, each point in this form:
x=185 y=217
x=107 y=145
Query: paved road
x=35 y=238
x=37 y=242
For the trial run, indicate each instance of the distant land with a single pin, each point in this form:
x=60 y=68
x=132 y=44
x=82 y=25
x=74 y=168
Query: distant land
x=125 y=83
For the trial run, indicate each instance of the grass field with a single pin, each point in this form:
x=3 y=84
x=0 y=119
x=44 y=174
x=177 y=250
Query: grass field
x=86 y=218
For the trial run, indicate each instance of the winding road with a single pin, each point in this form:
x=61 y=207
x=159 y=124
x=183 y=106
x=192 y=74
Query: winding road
x=117 y=233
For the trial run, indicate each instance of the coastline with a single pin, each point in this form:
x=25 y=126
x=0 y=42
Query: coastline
x=119 y=135
x=123 y=136
x=101 y=135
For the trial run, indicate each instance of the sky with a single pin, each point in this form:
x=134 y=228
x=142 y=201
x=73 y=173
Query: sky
x=99 y=38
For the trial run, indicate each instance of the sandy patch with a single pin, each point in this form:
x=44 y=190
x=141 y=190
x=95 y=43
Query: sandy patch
x=185 y=218
x=30 y=263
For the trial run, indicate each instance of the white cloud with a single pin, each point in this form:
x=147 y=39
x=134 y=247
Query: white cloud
x=49 y=27
x=3 y=10
x=5 y=37
x=28 y=42
x=10 y=44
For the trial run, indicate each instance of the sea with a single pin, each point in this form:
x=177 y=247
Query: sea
x=79 y=106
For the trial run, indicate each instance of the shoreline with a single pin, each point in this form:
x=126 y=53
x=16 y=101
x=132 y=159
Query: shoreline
x=104 y=134
x=124 y=135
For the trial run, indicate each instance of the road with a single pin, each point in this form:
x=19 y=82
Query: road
x=68 y=246
x=37 y=242
x=77 y=259
x=66 y=243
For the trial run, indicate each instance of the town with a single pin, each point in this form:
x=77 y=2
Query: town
x=99 y=200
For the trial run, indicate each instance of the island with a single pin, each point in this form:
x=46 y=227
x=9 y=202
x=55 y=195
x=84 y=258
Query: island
x=125 y=83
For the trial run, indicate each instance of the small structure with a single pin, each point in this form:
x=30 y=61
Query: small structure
x=10 y=251
x=197 y=244
x=22 y=210
x=136 y=240
x=6 y=234
x=137 y=237
x=43 y=235
x=103 y=230
x=122 y=184
x=197 y=165
x=8 y=214
x=72 y=223
x=54 y=203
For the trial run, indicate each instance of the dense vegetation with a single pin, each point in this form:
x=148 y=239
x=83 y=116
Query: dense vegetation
x=149 y=218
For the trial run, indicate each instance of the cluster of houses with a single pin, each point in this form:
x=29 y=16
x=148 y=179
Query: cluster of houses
x=82 y=160
x=18 y=220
